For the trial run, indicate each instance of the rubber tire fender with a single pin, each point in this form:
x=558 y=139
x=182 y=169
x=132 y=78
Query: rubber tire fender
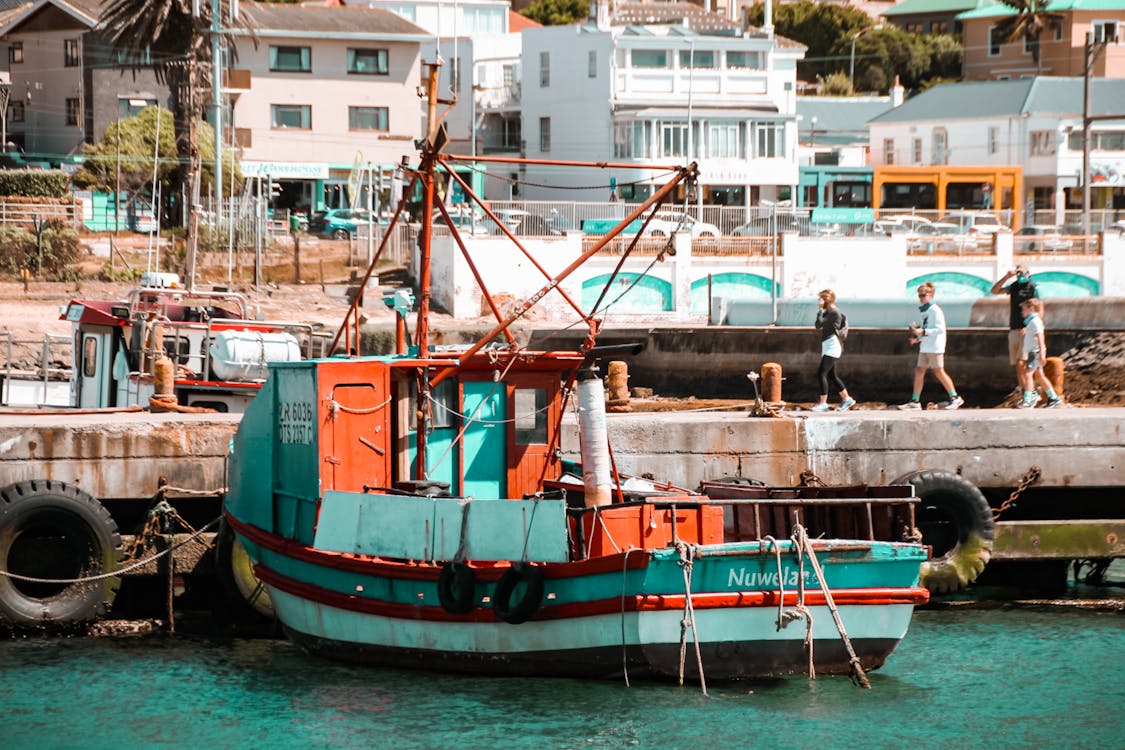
x=958 y=499
x=531 y=596
x=89 y=533
x=456 y=588
x=249 y=602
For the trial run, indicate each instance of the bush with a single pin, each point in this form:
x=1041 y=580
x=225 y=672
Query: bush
x=37 y=183
x=51 y=253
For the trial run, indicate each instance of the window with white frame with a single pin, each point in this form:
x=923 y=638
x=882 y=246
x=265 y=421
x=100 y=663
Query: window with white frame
x=1058 y=28
x=291 y=59
x=1104 y=32
x=649 y=58
x=941 y=146
x=916 y=150
x=888 y=150
x=769 y=140
x=673 y=138
x=544 y=69
x=993 y=140
x=15 y=53
x=630 y=140
x=697 y=58
x=291 y=116
x=724 y=139
x=131 y=106
x=743 y=60
x=368 y=118
x=995 y=41
x=545 y=134
x=16 y=111
x=368 y=62
x=1043 y=143
x=592 y=64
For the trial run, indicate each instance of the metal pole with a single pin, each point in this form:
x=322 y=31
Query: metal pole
x=373 y=221
x=217 y=104
x=1087 y=63
x=851 y=66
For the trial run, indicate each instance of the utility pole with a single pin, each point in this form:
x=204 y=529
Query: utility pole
x=1090 y=52
x=193 y=180
x=217 y=104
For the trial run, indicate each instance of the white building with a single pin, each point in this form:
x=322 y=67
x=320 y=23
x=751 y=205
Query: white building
x=663 y=83
x=1033 y=123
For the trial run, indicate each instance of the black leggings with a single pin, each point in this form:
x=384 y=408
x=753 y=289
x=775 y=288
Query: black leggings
x=826 y=372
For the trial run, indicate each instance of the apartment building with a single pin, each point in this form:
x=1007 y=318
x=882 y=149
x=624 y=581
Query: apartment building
x=665 y=83
x=1033 y=123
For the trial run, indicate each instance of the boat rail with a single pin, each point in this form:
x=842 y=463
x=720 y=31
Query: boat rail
x=43 y=374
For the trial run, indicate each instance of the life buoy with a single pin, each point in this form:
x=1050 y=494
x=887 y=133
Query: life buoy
x=456 y=587
x=518 y=594
x=245 y=597
x=956 y=521
x=51 y=530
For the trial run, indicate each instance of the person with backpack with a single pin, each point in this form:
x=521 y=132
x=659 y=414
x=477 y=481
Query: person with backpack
x=930 y=340
x=833 y=328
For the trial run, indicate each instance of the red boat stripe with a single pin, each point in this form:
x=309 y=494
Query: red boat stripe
x=651 y=603
x=424 y=571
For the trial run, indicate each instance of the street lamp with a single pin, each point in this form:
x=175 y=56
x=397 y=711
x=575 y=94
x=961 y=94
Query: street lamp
x=857 y=35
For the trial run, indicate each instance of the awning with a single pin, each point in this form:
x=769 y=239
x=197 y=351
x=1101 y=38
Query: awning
x=697 y=113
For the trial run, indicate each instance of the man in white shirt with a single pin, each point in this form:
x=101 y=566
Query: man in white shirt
x=930 y=338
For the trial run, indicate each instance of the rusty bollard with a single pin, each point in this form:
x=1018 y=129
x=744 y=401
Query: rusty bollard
x=771 y=383
x=1053 y=369
x=617 y=382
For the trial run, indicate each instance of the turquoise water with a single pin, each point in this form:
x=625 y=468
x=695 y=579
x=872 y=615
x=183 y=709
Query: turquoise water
x=963 y=678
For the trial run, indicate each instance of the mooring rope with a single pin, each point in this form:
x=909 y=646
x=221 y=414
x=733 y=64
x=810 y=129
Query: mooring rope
x=801 y=539
x=624 y=645
x=688 y=620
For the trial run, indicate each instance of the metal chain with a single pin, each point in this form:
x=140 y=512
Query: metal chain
x=1030 y=477
x=810 y=479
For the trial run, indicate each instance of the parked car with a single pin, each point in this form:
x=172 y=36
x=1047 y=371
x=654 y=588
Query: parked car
x=338 y=223
x=665 y=223
x=901 y=224
x=523 y=223
x=761 y=227
x=939 y=236
x=973 y=222
x=1047 y=238
x=466 y=223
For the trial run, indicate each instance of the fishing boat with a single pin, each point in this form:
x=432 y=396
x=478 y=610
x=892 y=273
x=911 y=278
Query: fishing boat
x=412 y=509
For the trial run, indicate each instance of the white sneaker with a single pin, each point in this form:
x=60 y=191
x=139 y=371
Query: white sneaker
x=1029 y=403
x=956 y=403
x=1054 y=402
x=910 y=406
x=820 y=407
x=847 y=404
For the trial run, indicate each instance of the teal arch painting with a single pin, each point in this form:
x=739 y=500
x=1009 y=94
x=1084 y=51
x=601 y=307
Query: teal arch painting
x=1065 y=284
x=732 y=285
x=951 y=285
x=629 y=292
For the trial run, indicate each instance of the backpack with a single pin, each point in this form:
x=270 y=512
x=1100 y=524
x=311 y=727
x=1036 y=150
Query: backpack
x=843 y=330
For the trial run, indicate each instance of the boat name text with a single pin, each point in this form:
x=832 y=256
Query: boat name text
x=761 y=579
x=295 y=422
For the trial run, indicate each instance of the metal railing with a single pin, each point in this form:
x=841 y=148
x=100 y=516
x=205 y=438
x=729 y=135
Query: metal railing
x=42 y=374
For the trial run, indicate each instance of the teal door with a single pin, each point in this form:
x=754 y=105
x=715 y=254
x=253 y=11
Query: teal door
x=485 y=439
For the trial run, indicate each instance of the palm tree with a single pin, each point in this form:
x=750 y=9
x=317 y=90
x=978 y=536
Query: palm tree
x=162 y=36
x=1032 y=19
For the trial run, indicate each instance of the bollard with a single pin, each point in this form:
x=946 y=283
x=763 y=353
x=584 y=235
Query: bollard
x=771 y=383
x=617 y=382
x=1054 y=370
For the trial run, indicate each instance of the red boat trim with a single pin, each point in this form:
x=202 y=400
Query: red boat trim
x=218 y=384
x=420 y=570
x=615 y=605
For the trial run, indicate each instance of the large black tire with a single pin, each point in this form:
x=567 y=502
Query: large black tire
x=518 y=593
x=456 y=586
x=245 y=596
x=956 y=521
x=51 y=530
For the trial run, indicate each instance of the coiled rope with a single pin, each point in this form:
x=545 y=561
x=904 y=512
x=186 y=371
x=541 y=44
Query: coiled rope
x=688 y=620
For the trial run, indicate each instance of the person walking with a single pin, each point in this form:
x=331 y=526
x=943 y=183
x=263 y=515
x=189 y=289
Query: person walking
x=1033 y=355
x=930 y=339
x=1022 y=288
x=832 y=325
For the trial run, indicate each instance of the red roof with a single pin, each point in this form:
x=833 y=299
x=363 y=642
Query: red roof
x=517 y=22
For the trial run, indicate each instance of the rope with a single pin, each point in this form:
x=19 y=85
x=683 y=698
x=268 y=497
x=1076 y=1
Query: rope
x=624 y=648
x=119 y=571
x=801 y=539
x=688 y=620
x=335 y=406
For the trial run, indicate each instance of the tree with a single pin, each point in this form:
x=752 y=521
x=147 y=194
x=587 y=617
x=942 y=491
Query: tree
x=1031 y=20
x=128 y=148
x=557 y=12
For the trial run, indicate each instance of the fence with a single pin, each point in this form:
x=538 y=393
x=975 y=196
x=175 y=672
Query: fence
x=26 y=215
x=33 y=380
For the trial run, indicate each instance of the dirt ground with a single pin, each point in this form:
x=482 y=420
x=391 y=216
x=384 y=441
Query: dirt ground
x=1095 y=369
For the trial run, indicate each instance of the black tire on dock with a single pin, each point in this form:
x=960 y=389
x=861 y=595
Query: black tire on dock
x=53 y=531
x=246 y=599
x=956 y=521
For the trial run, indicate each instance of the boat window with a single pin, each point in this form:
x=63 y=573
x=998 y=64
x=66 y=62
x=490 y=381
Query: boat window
x=443 y=406
x=89 y=357
x=530 y=406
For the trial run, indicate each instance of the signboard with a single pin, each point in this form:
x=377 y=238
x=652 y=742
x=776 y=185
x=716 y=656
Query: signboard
x=354 y=180
x=285 y=170
x=843 y=216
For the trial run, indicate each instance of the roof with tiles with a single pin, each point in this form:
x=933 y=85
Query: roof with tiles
x=933 y=7
x=997 y=10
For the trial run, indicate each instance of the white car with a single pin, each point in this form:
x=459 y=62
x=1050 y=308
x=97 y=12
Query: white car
x=665 y=223
x=1042 y=238
x=901 y=224
x=974 y=222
